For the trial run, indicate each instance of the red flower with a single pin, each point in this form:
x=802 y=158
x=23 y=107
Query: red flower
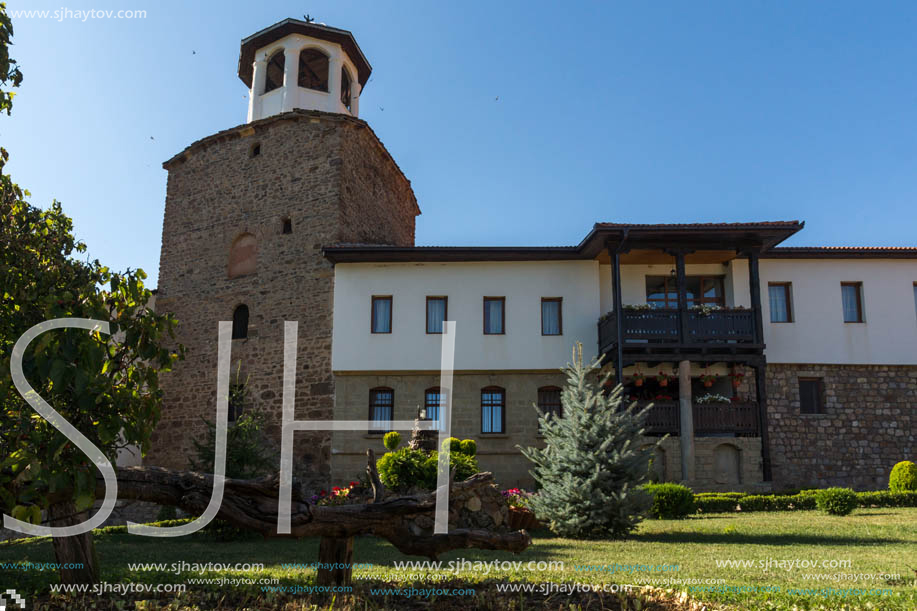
x=336 y=488
x=323 y=493
x=352 y=484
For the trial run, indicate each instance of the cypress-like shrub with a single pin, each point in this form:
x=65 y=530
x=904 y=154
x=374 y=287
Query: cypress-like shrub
x=454 y=444
x=469 y=447
x=392 y=440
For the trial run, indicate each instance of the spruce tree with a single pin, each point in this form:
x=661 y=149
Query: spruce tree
x=592 y=465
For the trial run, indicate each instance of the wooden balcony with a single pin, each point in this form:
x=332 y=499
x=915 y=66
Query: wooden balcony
x=670 y=332
x=740 y=419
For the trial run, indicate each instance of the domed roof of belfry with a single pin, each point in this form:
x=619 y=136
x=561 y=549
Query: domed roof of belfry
x=320 y=31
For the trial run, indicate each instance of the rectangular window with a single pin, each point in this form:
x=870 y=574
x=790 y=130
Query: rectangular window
x=552 y=322
x=432 y=402
x=811 y=396
x=852 y=299
x=437 y=310
x=382 y=315
x=779 y=297
x=493 y=404
x=662 y=291
x=494 y=319
x=381 y=409
x=549 y=402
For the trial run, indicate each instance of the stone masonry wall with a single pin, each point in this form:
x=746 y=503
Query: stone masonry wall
x=869 y=424
x=332 y=178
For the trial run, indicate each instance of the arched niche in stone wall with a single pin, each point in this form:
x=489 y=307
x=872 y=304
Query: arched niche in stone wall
x=243 y=256
x=727 y=464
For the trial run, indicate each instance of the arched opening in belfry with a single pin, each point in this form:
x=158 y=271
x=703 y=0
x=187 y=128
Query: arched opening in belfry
x=313 y=70
x=275 y=65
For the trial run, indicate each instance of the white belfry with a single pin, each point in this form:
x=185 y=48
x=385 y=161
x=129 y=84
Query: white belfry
x=297 y=64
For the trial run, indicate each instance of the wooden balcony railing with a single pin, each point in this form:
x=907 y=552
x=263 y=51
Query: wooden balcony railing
x=663 y=326
x=709 y=419
x=724 y=418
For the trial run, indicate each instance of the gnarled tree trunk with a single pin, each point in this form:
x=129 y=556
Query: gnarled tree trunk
x=252 y=504
x=78 y=553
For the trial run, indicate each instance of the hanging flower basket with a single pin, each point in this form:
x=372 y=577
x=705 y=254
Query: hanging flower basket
x=736 y=378
x=638 y=378
x=521 y=518
x=708 y=380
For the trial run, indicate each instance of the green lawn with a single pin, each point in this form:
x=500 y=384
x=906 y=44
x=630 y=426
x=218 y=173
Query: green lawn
x=873 y=540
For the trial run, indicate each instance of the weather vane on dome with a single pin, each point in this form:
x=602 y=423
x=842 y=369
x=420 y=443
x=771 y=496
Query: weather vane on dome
x=308 y=18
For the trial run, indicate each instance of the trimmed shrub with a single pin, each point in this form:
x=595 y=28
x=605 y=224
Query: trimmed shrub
x=903 y=477
x=468 y=447
x=403 y=469
x=392 y=440
x=465 y=466
x=716 y=503
x=726 y=502
x=670 y=501
x=455 y=445
x=836 y=501
x=884 y=498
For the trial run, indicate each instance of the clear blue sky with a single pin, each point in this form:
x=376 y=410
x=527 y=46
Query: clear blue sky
x=640 y=112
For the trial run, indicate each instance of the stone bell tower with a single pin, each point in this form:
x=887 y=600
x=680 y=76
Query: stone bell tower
x=248 y=210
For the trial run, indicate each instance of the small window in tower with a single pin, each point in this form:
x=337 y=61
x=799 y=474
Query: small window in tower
x=287 y=226
x=345 y=88
x=313 y=70
x=274 y=78
x=240 y=322
x=255 y=150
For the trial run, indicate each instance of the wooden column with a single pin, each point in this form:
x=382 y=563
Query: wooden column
x=619 y=313
x=754 y=279
x=681 y=283
x=686 y=425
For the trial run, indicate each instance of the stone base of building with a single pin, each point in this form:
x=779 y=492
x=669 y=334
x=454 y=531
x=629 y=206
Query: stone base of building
x=868 y=423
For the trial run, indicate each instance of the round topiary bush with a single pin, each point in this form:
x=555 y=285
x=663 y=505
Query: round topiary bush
x=670 y=501
x=836 y=501
x=903 y=477
x=392 y=440
x=468 y=447
x=454 y=444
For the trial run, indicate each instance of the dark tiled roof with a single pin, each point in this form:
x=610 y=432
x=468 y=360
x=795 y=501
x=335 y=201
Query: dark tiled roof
x=841 y=252
x=286 y=27
x=660 y=226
